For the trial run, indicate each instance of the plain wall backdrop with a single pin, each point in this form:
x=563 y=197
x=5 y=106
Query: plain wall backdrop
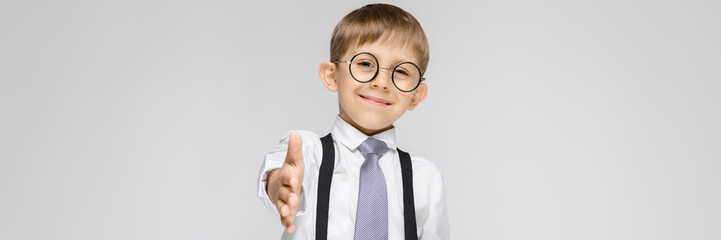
x=550 y=119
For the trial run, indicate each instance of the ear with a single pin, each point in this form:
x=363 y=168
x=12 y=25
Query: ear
x=327 y=71
x=418 y=95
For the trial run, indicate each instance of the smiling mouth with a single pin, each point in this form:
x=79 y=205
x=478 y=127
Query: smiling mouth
x=375 y=101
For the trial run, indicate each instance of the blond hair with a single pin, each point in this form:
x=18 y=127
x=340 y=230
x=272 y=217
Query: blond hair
x=384 y=22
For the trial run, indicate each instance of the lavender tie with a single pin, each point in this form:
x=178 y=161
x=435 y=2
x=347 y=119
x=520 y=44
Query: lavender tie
x=371 y=221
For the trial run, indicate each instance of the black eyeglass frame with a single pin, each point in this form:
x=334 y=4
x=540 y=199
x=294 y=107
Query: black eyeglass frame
x=378 y=70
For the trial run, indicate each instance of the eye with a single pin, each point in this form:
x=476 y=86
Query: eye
x=365 y=64
x=402 y=72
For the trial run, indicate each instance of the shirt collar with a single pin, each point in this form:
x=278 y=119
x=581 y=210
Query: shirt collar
x=352 y=137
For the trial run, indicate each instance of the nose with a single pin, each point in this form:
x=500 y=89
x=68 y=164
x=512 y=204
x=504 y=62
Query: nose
x=382 y=81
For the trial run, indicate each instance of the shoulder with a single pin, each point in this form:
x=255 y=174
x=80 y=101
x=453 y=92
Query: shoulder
x=424 y=167
x=428 y=180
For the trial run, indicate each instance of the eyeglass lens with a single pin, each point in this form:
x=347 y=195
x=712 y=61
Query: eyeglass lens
x=364 y=68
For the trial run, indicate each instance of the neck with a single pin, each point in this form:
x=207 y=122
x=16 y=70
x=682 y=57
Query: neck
x=366 y=131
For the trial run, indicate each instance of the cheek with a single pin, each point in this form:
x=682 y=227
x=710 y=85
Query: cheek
x=345 y=89
x=404 y=100
x=346 y=94
x=346 y=83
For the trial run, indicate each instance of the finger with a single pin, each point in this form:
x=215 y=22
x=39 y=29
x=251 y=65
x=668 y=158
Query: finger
x=288 y=220
x=288 y=223
x=282 y=208
x=294 y=156
x=293 y=203
x=283 y=194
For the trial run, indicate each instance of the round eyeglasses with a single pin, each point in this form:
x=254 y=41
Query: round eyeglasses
x=364 y=68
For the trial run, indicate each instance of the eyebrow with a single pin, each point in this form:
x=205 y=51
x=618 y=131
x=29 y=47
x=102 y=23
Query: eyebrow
x=394 y=62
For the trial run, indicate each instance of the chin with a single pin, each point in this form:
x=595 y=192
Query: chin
x=374 y=125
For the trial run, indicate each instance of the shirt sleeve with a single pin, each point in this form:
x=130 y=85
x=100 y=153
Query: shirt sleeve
x=276 y=158
x=437 y=227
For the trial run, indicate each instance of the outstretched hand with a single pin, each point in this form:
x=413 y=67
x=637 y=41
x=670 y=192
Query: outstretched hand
x=284 y=184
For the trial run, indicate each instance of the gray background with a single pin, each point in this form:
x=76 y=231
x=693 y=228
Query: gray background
x=549 y=119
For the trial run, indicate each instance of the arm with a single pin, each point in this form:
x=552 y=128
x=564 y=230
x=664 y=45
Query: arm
x=436 y=227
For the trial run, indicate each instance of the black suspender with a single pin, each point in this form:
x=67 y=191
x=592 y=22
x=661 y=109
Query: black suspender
x=409 y=208
x=324 y=179
x=326 y=176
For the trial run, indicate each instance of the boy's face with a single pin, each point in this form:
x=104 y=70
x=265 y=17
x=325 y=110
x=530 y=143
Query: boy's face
x=372 y=107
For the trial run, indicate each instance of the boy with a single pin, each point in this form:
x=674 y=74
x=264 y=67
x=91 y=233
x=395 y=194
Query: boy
x=354 y=183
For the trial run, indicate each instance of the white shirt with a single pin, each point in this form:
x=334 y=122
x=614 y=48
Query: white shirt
x=428 y=188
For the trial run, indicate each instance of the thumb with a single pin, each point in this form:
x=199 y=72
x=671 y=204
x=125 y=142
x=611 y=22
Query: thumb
x=294 y=156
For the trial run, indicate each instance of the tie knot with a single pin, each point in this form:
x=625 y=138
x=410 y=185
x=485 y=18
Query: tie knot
x=374 y=146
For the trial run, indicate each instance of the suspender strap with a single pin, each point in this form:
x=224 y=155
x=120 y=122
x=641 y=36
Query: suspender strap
x=326 y=176
x=324 y=179
x=409 y=208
